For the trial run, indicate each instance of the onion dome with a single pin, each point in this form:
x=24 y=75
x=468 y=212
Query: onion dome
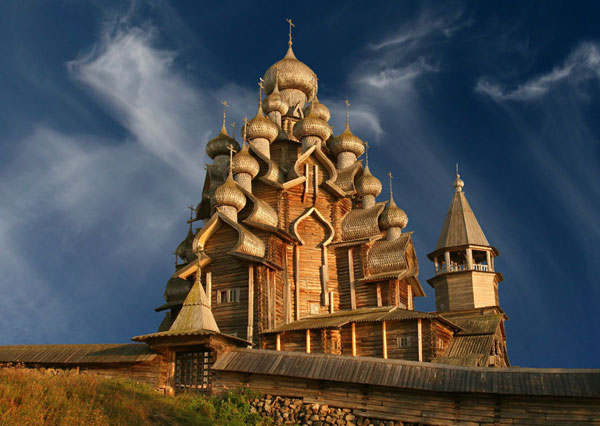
x=317 y=108
x=312 y=125
x=229 y=194
x=290 y=73
x=274 y=102
x=177 y=289
x=393 y=216
x=367 y=184
x=261 y=127
x=243 y=162
x=184 y=249
x=218 y=145
x=347 y=142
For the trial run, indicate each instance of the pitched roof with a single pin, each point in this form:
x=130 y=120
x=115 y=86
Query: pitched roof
x=195 y=313
x=77 y=354
x=341 y=318
x=460 y=227
x=412 y=374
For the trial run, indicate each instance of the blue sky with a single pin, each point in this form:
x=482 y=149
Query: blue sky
x=106 y=108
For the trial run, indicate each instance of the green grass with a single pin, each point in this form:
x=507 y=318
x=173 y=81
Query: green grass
x=30 y=397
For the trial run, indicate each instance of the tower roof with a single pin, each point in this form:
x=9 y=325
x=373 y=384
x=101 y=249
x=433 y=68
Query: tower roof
x=195 y=313
x=460 y=227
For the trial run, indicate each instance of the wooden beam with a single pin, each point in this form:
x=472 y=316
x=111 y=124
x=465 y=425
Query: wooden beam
x=351 y=277
x=208 y=288
x=250 y=329
x=307 y=341
x=379 y=301
x=384 y=337
x=306 y=182
x=353 y=339
x=278 y=342
x=409 y=303
x=331 y=302
x=316 y=182
x=324 y=277
x=397 y=291
x=297 y=281
x=269 y=309
x=287 y=296
x=420 y=339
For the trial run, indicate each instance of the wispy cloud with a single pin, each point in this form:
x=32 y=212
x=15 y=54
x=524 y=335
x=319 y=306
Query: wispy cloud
x=430 y=23
x=120 y=200
x=582 y=64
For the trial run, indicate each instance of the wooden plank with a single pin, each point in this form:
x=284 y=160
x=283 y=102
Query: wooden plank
x=250 y=327
x=351 y=276
x=307 y=341
x=297 y=280
x=384 y=337
x=379 y=300
x=420 y=339
x=209 y=288
x=353 y=339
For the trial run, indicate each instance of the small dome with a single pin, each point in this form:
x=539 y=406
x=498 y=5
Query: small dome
x=184 y=249
x=367 y=184
x=218 y=145
x=229 y=194
x=319 y=109
x=290 y=73
x=177 y=289
x=274 y=102
x=312 y=125
x=458 y=184
x=347 y=142
x=261 y=127
x=243 y=162
x=393 y=217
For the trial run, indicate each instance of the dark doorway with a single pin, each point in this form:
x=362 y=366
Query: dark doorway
x=192 y=371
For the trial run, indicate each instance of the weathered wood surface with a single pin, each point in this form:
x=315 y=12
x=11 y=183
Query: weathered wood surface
x=424 y=407
x=76 y=354
x=414 y=375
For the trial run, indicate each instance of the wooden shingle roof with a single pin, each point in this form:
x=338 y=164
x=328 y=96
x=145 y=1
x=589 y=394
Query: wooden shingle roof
x=412 y=374
x=76 y=354
x=341 y=318
x=460 y=227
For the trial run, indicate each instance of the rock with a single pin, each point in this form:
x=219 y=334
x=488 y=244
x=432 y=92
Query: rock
x=315 y=407
x=314 y=418
x=349 y=417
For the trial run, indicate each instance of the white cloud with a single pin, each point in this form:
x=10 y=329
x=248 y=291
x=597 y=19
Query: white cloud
x=394 y=77
x=581 y=65
x=75 y=202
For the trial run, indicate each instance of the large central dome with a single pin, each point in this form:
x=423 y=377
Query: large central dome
x=297 y=82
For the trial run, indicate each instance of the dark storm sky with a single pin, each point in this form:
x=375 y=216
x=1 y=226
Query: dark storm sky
x=105 y=109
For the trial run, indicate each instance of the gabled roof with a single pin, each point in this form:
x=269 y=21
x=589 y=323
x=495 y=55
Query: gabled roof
x=460 y=227
x=76 y=354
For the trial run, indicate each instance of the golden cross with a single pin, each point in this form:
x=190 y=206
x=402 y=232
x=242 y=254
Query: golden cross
x=245 y=127
x=233 y=126
x=175 y=253
x=225 y=106
x=367 y=152
x=260 y=88
x=347 y=107
x=391 y=177
x=456 y=169
x=192 y=210
x=289 y=21
x=231 y=151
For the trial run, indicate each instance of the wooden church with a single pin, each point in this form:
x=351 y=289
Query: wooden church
x=295 y=252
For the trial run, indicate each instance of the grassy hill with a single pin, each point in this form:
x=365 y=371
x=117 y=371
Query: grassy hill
x=30 y=397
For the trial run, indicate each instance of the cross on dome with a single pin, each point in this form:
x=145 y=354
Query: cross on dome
x=233 y=126
x=367 y=153
x=225 y=106
x=347 y=111
x=391 y=177
x=289 y=21
x=245 y=127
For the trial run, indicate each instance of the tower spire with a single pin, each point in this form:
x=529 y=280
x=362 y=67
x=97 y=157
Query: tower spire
x=260 y=89
x=231 y=151
x=289 y=21
x=367 y=153
x=391 y=193
x=245 y=127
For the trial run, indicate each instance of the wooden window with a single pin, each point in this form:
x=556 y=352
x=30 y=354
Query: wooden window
x=230 y=295
x=441 y=344
x=403 y=341
x=192 y=371
x=314 y=308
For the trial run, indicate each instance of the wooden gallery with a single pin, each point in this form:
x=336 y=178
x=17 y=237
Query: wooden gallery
x=300 y=280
